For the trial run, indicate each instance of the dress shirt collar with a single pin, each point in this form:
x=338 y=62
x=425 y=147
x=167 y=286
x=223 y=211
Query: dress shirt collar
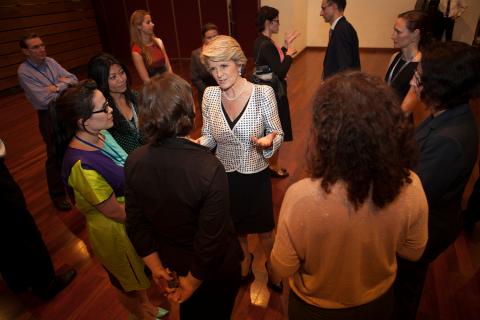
x=335 y=22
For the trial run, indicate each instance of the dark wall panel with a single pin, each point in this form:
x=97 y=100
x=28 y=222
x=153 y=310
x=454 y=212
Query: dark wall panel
x=214 y=11
x=111 y=19
x=244 y=13
x=188 y=22
x=132 y=5
x=162 y=16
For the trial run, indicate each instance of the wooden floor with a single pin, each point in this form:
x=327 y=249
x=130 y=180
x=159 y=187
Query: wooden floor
x=452 y=290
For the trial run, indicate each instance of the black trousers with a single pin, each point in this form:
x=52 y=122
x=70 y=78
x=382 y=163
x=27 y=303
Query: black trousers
x=213 y=300
x=25 y=259
x=408 y=287
x=378 y=309
x=56 y=188
x=448 y=24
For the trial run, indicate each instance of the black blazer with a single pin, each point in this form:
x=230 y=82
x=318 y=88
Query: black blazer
x=177 y=203
x=448 y=146
x=199 y=74
x=342 y=51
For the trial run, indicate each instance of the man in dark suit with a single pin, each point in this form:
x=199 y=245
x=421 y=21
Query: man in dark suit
x=448 y=146
x=342 y=51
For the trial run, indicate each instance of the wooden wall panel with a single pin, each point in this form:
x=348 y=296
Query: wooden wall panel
x=113 y=27
x=187 y=20
x=68 y=28
x=214 y=11
x=29 y=9
x=163 y=18
x=133 y=5
x=244 y=13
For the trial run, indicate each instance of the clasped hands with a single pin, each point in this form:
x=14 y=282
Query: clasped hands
x=186 y=285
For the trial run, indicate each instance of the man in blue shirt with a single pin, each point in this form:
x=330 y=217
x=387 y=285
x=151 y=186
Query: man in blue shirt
x=42 y=80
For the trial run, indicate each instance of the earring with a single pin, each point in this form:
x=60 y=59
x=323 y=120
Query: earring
x=240 y=72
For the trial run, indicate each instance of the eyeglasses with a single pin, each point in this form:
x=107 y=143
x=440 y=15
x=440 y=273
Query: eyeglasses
x=326 y=6
x=38 y=46
x=104 y=108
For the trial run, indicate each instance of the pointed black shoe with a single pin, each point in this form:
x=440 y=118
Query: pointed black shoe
x=277 y=287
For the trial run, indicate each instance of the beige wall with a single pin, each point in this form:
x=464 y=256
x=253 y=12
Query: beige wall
x=372 y=19
x=465 y=25
x=292 y=17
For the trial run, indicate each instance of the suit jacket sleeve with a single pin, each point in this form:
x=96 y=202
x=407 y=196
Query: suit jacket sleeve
x=344 y=48
x=440 y=163
x=207 y=138
x=195 y=71
x=214 y=225
x=138 y=225
x=271 y=120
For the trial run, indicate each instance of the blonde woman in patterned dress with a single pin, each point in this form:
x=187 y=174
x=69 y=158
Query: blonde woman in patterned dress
x=241 y=120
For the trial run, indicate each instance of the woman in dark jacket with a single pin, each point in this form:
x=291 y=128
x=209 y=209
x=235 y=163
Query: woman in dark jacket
x=278 y=60
x=178 y=209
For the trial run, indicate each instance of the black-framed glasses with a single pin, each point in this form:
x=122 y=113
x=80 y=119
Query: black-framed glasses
x=104 y=108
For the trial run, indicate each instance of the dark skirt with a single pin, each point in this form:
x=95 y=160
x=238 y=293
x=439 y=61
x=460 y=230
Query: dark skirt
x=251 y=202
x=284 y=114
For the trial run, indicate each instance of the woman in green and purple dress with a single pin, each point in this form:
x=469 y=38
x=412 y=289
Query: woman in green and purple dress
x=92 y=170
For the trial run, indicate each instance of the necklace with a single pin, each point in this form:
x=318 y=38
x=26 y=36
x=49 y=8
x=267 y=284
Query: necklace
x=391 y=76
x=237 y=95
x=111 y=153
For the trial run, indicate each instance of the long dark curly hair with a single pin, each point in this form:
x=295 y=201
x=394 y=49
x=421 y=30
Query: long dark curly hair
x=361 y=137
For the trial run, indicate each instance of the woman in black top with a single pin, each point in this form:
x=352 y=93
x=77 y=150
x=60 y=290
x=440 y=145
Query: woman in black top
x=178 y=208
x=279 y=60
x=112 y=79
x=407 y=36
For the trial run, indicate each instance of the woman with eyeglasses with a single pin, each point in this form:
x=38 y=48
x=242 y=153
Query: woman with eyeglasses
x=278 y=60
x=113 y=81
x=148 y=52
x=92 y=170
x=445 y=80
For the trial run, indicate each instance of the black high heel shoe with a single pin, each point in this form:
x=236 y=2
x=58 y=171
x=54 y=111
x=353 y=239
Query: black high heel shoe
x=277 y=287
x=250 y=276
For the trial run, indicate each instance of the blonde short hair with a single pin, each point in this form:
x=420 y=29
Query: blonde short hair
x=223 y=48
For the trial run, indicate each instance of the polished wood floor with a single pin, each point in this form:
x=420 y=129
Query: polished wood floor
x=452 y=290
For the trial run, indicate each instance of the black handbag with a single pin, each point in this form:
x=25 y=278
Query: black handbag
x=262 y=74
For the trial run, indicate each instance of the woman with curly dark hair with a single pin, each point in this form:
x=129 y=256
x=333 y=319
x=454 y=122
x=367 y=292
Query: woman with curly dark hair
x=340 y=229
